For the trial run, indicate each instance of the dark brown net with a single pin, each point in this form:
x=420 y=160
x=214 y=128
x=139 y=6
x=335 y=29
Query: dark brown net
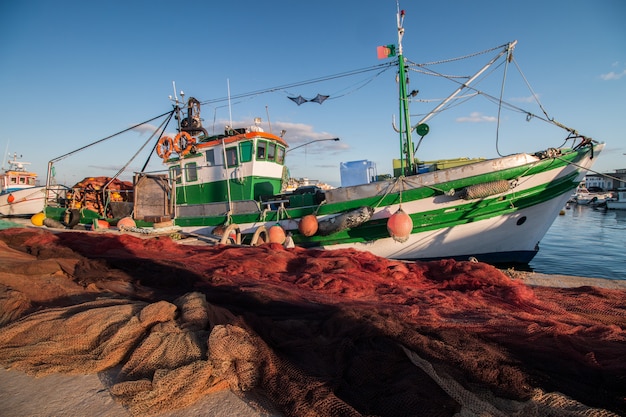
x=315 y=333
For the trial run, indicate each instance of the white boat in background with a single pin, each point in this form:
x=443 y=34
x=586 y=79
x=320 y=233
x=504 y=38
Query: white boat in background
x=584 y=196
x=618 y=203
x=20 y=195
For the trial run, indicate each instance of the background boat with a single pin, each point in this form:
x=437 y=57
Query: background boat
x=618 y=203
x=20 y=193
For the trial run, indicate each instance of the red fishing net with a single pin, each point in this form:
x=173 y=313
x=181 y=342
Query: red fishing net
x=314 y=333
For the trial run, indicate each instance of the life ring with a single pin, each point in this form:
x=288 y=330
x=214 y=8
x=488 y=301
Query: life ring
x=164 y=147
x=232 y=235
x=183 y=142
x=260 y=236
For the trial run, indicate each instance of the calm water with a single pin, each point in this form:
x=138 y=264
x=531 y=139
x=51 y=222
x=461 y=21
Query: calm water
x=582 y=242
x=585 y=242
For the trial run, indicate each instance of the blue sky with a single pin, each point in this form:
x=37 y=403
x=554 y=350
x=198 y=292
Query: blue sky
x=74 y=72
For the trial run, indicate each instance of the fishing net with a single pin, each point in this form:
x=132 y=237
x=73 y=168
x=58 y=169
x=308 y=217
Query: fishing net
x=306 y=332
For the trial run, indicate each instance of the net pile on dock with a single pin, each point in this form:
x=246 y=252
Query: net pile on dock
x=88 y=193
x=328 y=333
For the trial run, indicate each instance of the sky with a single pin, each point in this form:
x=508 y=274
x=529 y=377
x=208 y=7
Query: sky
x=75 y=72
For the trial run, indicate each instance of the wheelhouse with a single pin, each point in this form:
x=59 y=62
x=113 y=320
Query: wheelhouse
x=242 y=165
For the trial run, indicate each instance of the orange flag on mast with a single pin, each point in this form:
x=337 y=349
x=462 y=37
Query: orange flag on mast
x=386 y=51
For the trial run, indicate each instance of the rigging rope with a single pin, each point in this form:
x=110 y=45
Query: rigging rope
x=164 y=125
x=300 y=83
x=506 y=67
x=590 y=170
x=119 y=172
x=109 y=137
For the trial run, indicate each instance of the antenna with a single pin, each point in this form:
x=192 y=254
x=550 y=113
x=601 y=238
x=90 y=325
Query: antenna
x=230 y=113
x=174 y=87
x=6 y=152
x=268 y=118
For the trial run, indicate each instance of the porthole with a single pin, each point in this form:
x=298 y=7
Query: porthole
x=521 y=220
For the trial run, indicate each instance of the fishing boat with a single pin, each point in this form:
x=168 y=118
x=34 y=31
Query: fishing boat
x=20 y=194
x=233 y=185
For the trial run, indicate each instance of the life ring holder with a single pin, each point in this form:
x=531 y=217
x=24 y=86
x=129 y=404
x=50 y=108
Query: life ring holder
x=183 y=143
x=260 y=237
x=164 y=147
x=227 y=238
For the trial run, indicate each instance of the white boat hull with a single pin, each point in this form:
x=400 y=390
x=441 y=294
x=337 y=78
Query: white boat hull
x=513 y=236
x=28 y=201
x=616 y=205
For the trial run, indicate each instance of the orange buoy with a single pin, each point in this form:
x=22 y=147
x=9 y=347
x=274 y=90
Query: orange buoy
x=308 y=225
x=100 y=224
x=276 y=234
x=400 y=226
x=10 y=198
x=126 y=222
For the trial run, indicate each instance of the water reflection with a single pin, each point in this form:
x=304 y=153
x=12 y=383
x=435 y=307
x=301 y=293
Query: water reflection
x=585 y=242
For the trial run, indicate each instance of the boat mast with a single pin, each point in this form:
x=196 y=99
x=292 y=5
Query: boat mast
x=406 y=143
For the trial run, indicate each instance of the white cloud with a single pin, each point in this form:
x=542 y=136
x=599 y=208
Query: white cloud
x=476 y=117
x=528 y=99
x=613 y=75
x=145 y=128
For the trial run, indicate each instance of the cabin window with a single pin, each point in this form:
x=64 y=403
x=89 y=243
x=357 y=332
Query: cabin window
x=210 y=157
x=280 y=155
x=175 y=174
x=22 y=180
x=191 y=171
x=245 y=149
x=271 y=151
x=261 y=150
x=231 y=157
x=13 y=180
x=31 y=181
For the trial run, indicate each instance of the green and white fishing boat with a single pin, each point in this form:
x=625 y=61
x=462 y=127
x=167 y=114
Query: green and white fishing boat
x=233 y=185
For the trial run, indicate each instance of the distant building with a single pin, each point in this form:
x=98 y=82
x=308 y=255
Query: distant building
x=607 y=181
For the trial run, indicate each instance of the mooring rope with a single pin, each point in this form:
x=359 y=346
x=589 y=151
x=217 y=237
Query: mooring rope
x=589 y=169
x=389 y=189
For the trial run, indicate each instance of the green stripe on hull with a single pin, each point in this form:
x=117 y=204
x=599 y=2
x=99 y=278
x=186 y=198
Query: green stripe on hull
x=444 y=218
x=423 y=221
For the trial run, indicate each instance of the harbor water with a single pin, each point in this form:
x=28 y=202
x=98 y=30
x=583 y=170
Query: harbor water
x=583 y=242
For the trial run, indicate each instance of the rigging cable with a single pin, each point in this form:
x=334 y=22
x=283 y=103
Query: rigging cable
x=300 y=83
x=569 y=129
x=107 y=138
x=508 y=59
x=163 y=126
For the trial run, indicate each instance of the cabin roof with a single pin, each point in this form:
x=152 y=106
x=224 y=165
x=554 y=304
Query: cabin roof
x=217 y=140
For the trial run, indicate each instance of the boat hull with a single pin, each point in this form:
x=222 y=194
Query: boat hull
x=28 y=201
x=616 y=205
x=504 y=226
x=506 y=239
